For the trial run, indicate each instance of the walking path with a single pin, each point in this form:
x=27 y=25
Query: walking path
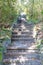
x=23 y=49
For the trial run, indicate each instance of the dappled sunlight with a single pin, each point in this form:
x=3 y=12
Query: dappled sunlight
x=22 y=59
x=13 y=64
x=34 y=32
x=21 y=32
x=33 y=47
x=23 y=27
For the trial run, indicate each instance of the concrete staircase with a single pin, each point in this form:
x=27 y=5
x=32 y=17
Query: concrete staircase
x=19 y=52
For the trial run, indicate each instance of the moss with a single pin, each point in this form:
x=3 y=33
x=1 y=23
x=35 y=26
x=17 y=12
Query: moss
x=41 y=41
x=0 y=56
x=38 y=45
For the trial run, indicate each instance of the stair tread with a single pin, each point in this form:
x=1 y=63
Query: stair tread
x=21 y=36
x=23 y=39
x=15 y=53
x=18 y=48
x=15 y=60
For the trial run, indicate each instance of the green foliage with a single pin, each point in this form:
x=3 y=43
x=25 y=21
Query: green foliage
x=8 y=13
x=1 y=49
x=0 y=56
x=9 y=10
x=41 y=41
x=42 y=12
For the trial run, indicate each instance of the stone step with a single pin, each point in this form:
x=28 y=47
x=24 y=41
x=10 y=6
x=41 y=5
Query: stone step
x=18 y=36
x=26 y=25
x=30 y=41
x=13 y=56
x=30 y=56
x=21 y=45
x=22 y=39
x=25 y=54
x=15 y=53
x=22 y=34
x=17 y=60
x=20 y=28
x=19 y=52
x=24 y=28
x=25 y=32
x=16 y=48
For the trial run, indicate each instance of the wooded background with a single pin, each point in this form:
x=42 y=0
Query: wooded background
x=10 y=9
